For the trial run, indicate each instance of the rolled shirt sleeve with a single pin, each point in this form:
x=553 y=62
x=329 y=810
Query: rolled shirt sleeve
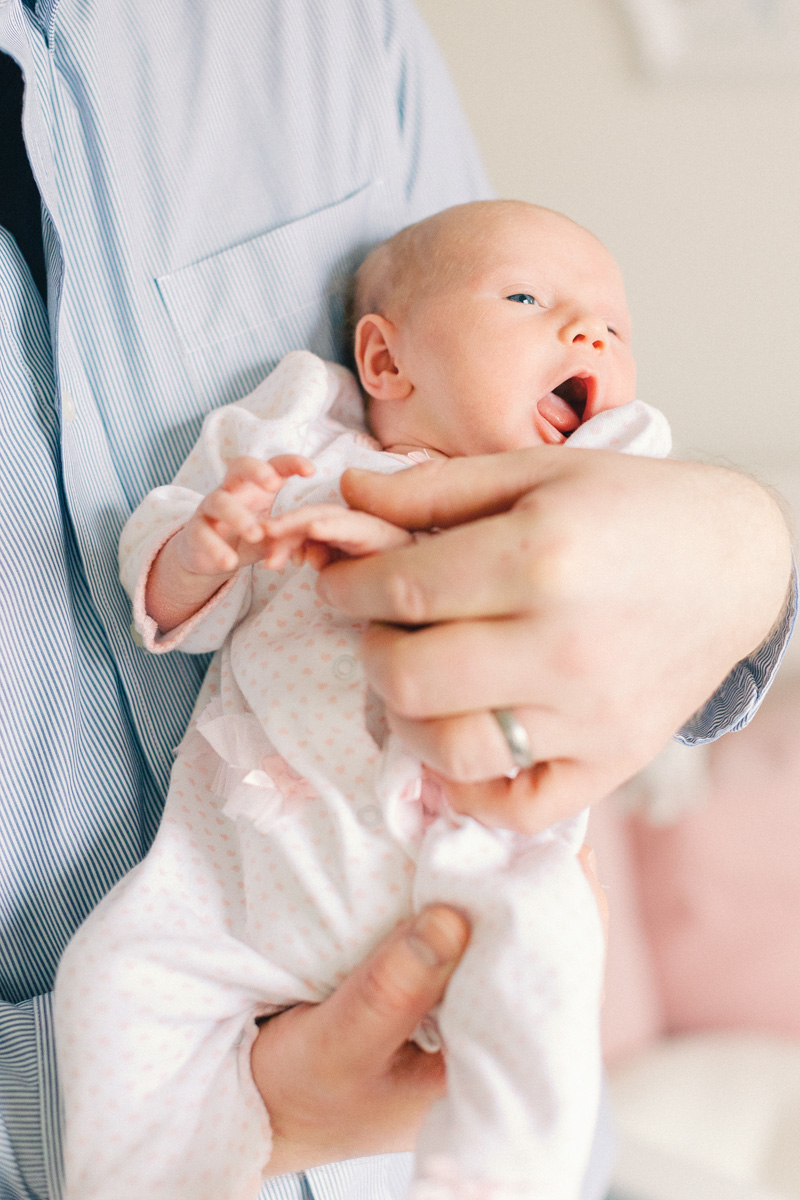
x=739 y=697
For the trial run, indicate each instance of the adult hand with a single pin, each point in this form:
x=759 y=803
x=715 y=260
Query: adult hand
x=602 y=597
x=340 y=1079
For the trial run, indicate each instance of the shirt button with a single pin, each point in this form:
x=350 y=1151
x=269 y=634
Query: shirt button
x=370 y=816
x=344 y=667
x=136 y=637
x=68 y=406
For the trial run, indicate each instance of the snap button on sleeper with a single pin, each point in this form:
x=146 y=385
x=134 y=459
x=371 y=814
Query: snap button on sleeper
x=344 y=667
x=68 y=406
x=370 y=816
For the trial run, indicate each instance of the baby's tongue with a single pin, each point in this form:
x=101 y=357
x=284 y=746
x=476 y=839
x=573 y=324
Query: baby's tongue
x=560 y=414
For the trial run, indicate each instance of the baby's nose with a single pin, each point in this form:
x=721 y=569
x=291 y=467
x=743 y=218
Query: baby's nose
x=586 y=329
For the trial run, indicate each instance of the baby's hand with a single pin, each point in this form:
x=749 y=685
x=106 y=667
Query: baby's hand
x=320 y=533
x=227 y=530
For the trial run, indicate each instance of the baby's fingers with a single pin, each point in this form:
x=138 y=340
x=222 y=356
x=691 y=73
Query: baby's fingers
x=292 y=464
x=244 y=470
x=231 y=515
x=353 y=533
x=249 y=477
x=282 y=550
x=207 y=552
x=318 y=555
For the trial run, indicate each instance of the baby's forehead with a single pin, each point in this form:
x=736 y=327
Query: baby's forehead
x=533 y=236
x=472 y=242
x=523 y=248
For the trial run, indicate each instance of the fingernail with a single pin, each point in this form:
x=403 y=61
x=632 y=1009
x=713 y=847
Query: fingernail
x=438 y=937
x=421 y=950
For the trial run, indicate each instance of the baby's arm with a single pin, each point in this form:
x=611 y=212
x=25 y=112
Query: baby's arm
x=225 y=533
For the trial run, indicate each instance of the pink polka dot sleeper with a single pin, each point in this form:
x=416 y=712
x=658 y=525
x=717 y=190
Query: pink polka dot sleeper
x=294 y=837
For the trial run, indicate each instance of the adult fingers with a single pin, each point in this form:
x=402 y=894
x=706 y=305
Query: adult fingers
x=536 y=799
x=450 y=491
x=375 y=1010
x=470 y=748
x=353 y=532
x=340 y=1079
x=437 y=579
x=466 y=666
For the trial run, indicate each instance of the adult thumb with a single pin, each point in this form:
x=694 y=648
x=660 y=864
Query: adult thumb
x=448 y=492
x=377 y=1008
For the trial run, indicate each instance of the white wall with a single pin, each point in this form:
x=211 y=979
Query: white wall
x=695 y=188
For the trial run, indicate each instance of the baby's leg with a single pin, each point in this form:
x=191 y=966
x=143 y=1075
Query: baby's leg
x=155 y=1002
x=519 y=1020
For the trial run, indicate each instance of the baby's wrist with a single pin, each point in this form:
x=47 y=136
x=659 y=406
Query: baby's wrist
x=174 y=593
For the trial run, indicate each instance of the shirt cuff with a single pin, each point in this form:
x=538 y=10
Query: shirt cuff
x=30 y=1131
x=739 y=697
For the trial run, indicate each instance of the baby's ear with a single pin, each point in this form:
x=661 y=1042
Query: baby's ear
x=375 y=353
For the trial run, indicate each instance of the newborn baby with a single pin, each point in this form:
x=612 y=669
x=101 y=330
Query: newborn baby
x=297 y=831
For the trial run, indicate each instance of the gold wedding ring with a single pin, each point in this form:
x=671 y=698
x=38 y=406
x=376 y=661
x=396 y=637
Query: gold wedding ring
x=516 y=736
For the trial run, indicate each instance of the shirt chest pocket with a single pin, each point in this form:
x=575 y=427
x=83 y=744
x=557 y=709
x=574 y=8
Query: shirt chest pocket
x=238 y=312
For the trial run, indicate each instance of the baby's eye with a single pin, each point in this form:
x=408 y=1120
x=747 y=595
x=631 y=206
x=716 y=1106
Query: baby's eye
x=523 y=298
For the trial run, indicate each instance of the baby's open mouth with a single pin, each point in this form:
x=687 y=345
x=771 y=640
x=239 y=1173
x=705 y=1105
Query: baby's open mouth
x=565 y=406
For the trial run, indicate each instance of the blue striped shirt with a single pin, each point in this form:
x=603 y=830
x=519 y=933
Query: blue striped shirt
x=210 y=174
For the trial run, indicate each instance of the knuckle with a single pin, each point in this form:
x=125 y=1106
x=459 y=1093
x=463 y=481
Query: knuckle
x=401 y=685
x=578 y=658
x=384 y=991
x=462 y=755
x=457 y=767
x=552 y=573
x=235 y=468
x=407 y=600
x=548 y=555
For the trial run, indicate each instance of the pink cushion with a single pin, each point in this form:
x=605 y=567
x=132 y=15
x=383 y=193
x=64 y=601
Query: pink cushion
x=632 y=1016
x=720 y=891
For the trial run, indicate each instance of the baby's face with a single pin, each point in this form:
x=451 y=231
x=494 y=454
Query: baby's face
x=528 y=342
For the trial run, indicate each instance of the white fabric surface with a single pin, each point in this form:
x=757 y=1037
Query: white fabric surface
x=289 y=846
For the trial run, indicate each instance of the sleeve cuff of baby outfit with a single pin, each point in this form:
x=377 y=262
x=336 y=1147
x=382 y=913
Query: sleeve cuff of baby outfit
x=739 y=697
x=181 y=637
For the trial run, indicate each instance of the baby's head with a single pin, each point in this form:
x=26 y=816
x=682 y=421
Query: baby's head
x=490 y=326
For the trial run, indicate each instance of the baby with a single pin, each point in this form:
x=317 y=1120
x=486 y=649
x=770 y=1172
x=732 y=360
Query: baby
x=296 y=832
